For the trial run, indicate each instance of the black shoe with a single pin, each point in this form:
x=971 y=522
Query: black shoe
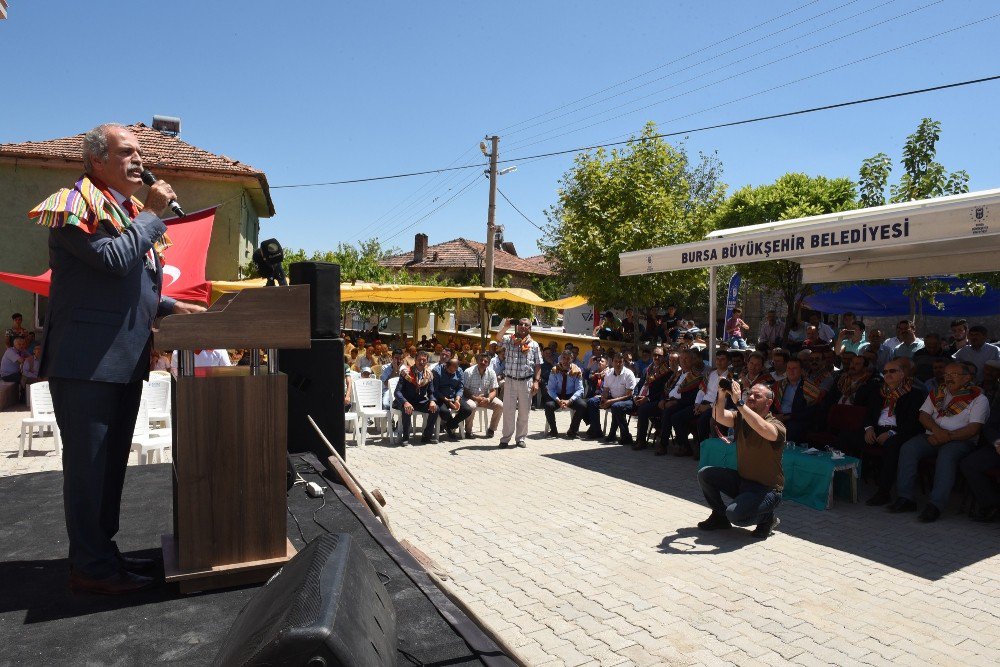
x=684 y=450
x=522 y=444
x=640 y=444
x=570 y=434
x=429 y=440
x=592 y=435
x=766 y=529
x=137 y=565
x=628 y=442
x=452 y=434
x=611 y=439
x=469 y=435
x=120 y=583
x=986 y=514
x=930 y=514
x=490 y=432
x=902 y=505
x=503 y=445
x=880 y=498
x=554 y=432
x=715 y=522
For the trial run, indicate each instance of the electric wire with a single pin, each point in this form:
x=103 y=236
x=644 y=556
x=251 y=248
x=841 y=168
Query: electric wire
x=609 y=144
x=667 y=64
x=715 y=57
x=429 y=214
x=519 y=210
x=429 y=208
x=526 y=142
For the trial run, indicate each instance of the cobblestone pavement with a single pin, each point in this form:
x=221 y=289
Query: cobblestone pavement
x=584 y=553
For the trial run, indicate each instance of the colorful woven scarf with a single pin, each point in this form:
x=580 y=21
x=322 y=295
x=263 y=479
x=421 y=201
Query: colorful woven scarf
x=891 y=396
x=960 y=400
x=690 y=383
x=87 y=204
x=421 y=380
x=848 y=385
x=746 y=382
x=811 y=392
x=572 y=371
x=524 y=342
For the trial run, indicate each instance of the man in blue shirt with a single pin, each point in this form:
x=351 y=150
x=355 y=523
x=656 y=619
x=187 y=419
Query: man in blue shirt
x=449 y=383
x=565 y=390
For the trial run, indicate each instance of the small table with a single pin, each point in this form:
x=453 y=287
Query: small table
x=809 y=478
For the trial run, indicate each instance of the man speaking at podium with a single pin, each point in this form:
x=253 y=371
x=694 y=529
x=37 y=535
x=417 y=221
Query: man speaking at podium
x=107 y=271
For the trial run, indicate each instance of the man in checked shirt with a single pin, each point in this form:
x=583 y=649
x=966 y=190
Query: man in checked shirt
x=522 y=370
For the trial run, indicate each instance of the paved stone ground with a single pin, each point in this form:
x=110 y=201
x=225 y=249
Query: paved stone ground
x=582 y=553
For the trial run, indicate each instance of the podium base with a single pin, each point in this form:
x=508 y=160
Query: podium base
x=218 y=576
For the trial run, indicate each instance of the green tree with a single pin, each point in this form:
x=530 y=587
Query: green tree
x=646 y=195
x=923 y=177
x=791 y=196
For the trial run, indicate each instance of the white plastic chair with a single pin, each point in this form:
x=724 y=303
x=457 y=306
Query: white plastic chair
x=367 y=403
x=146 y=441
x=43 y=417
x=352 y=419
x=156 y=393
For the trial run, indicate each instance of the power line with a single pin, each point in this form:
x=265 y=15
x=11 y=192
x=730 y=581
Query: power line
x=707 y=60
x=667 y=64
x=424 y=217
x=526 y=142
x=519 y=211
x=704 y=128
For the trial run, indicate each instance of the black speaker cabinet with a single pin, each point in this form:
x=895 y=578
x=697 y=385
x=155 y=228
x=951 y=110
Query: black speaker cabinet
x=323 y=279
x=326 y=606
x=315 y=388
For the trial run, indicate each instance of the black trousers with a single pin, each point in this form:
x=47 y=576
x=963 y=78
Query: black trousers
x=579 y=408
x=96 y=420
x=453 y=418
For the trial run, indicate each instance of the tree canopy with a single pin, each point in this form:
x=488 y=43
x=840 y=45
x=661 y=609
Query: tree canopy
x=646 y=195
x=793 y=195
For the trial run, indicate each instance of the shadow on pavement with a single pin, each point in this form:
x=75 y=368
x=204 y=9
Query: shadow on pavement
x=930 y=551
x=721 y=540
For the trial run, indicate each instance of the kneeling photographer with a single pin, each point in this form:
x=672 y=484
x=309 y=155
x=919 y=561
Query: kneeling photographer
x=755 y=486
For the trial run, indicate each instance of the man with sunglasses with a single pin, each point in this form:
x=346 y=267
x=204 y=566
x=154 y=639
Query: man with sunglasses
x=893 y=417
x=756 y=485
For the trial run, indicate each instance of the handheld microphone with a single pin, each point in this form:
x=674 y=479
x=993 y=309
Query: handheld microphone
x=148 y=178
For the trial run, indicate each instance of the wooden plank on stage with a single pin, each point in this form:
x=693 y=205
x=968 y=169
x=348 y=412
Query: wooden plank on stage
x=219 y=576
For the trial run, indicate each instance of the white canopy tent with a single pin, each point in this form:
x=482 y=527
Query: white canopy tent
x=944 y=235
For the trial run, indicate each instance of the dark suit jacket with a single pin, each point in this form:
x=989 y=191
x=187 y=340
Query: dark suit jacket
x=907 y=414
x=102 y=302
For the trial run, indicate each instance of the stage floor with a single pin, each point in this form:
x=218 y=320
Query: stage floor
x=42 y=623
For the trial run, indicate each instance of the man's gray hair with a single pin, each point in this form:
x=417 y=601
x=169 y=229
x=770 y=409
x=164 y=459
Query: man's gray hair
x=769 y=394
x=95 y=145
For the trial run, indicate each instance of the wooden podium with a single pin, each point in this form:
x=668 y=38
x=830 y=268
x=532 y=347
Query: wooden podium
x=230 y=440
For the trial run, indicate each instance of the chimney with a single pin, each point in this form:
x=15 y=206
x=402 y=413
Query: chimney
x=508 y=247
x=419 y=248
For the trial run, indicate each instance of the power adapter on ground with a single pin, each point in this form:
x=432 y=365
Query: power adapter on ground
x=314 y=490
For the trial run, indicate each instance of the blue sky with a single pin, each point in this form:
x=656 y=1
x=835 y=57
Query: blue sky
x=323 y=91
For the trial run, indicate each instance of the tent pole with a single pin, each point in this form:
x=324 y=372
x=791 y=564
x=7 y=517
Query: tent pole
x=712 y=313
x=402 y=317
x=484 y=322
x=458 y=312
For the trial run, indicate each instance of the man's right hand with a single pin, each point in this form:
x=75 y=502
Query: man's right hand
x=870 y=435
x=407 y=408
x=160 y=194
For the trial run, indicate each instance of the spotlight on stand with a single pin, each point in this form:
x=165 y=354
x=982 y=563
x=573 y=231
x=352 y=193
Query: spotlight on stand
x=268 y=260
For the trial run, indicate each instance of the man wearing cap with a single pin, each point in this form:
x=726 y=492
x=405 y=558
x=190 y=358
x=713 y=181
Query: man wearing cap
x=522 y=370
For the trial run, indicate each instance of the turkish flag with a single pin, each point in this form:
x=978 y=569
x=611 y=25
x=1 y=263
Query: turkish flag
x=183 y=265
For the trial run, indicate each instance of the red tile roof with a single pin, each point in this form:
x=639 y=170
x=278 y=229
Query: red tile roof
x=159 y=150
x=543 y=261
x=462 y=253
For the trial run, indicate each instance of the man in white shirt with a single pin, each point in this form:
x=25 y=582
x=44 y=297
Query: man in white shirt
x=770 y=333
x=952 y=415
x=205 y=358
x=824 y=330
x=978 y=351
x=480 y=388
x=616 y=396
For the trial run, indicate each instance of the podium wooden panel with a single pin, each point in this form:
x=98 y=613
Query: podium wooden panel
x=230 y=443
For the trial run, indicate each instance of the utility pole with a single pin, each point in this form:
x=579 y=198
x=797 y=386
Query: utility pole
x=491 y=234
x=491 y=229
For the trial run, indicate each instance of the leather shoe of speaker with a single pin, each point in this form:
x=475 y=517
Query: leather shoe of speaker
x=122 y=582
x=137 y=565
